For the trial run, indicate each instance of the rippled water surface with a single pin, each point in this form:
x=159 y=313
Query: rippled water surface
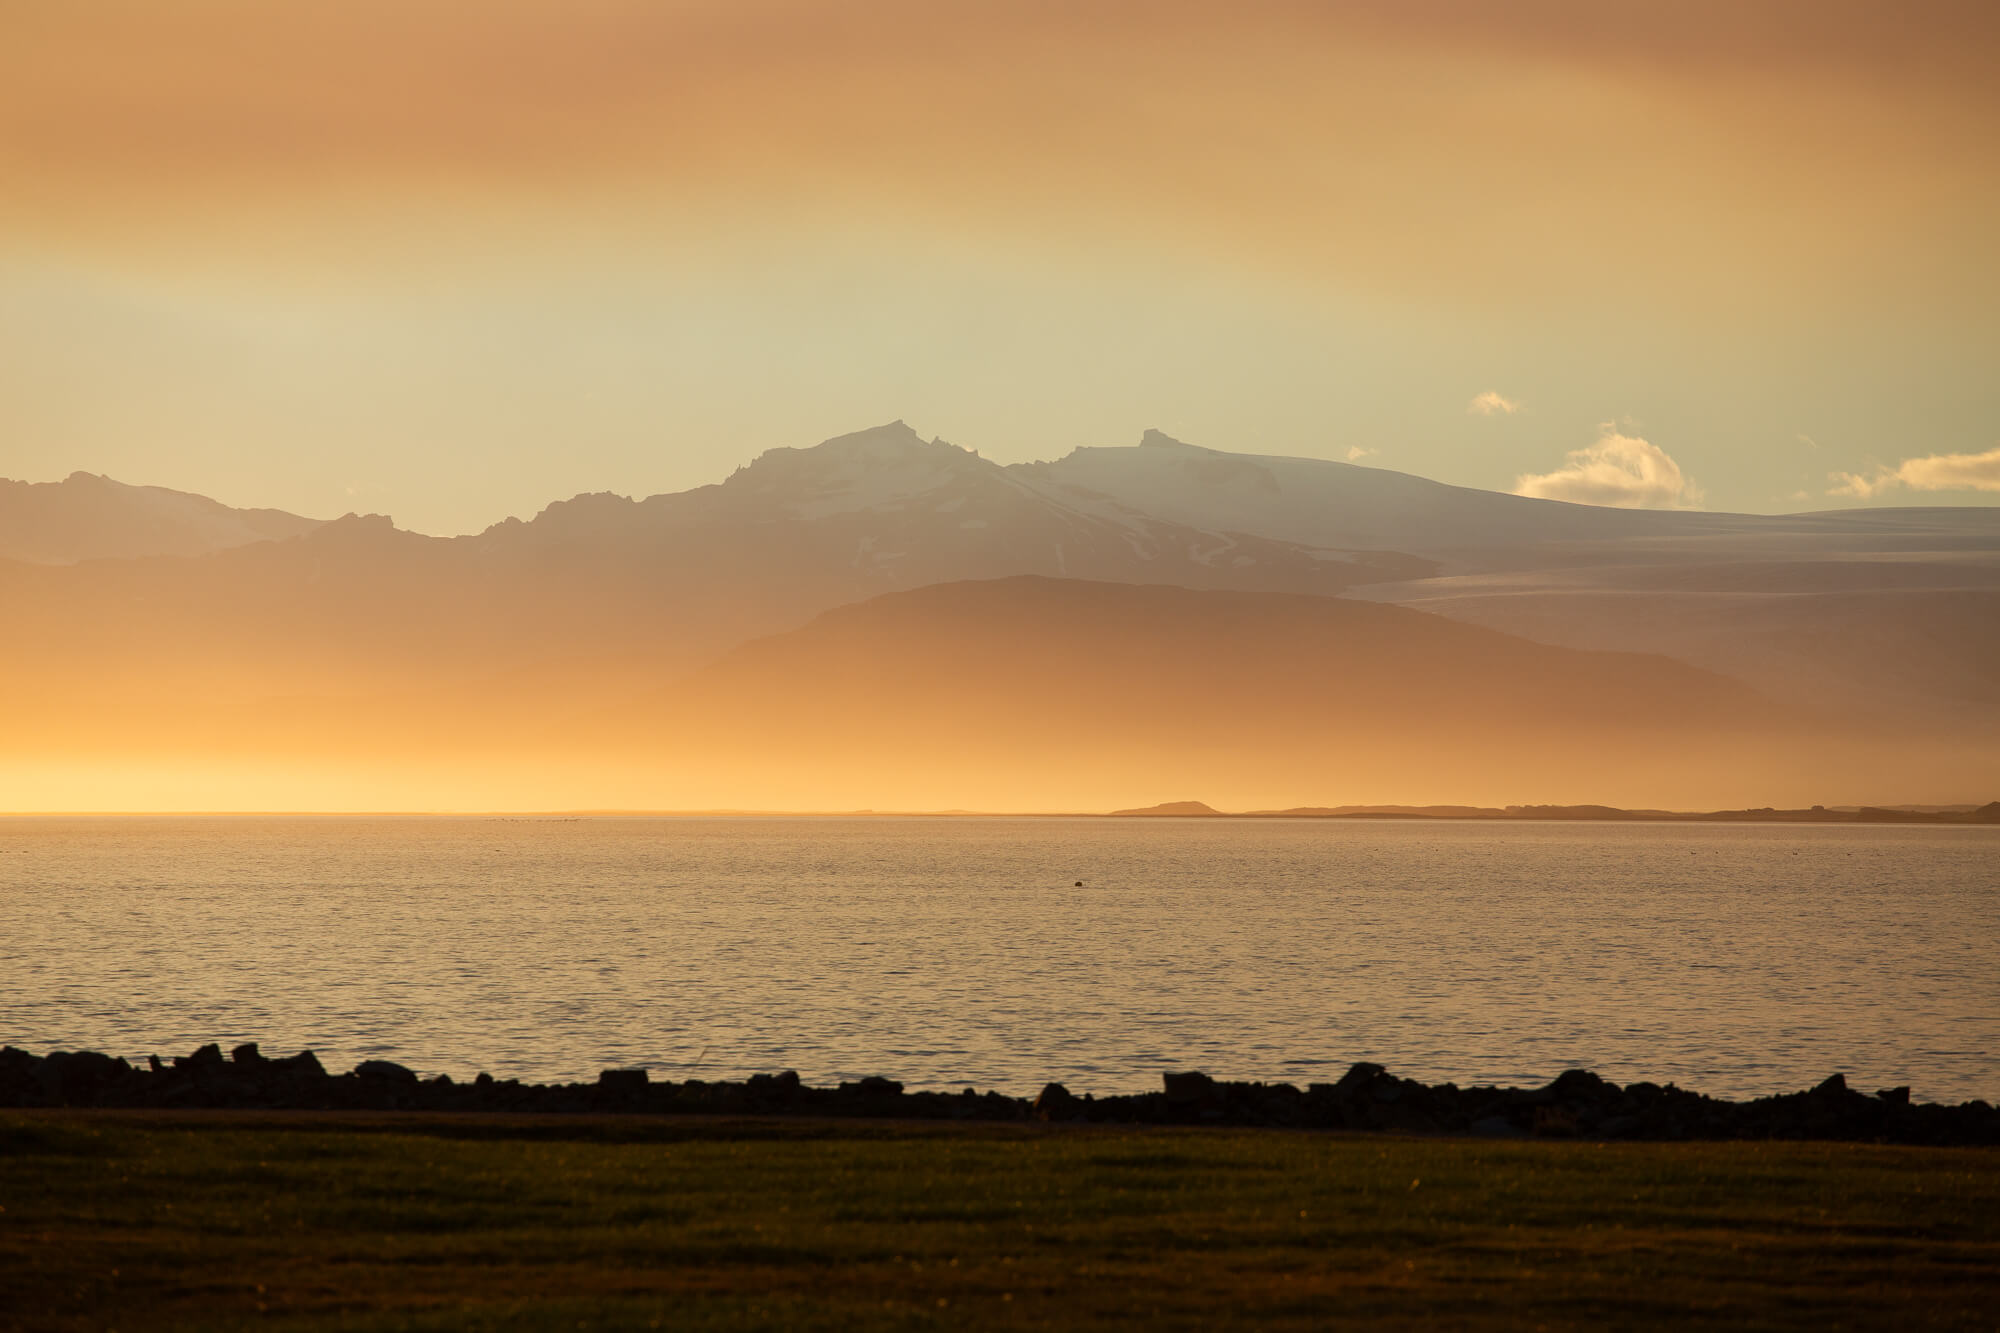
x=1732 y=959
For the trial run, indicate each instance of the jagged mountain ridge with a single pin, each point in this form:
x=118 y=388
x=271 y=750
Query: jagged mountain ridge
x=1155 y=494
x=597 y=593
x=605 y=593
x=891 y=509
x=91 y=517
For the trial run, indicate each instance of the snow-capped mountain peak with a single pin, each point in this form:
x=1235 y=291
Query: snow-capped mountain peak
x=882 y=467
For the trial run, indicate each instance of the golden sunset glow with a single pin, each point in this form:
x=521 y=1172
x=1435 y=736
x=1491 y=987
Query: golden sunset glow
x=987 y=664
x=353 y=257
x=456 y=263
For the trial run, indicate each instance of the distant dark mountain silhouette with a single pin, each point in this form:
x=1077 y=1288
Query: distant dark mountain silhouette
x=982 y=693
x=1215 y=656
x=1922 y=656
x=1818 y=814
x=87 y=517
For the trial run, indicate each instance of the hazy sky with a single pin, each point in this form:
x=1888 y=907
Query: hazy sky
x=449 y=259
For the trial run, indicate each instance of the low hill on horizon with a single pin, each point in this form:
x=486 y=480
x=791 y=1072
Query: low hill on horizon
x=1024 y=693
x=1988 y=813
x=1034 y=693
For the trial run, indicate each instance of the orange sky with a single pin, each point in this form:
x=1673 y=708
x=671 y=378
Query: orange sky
x=272 y=251
x=1742 y=134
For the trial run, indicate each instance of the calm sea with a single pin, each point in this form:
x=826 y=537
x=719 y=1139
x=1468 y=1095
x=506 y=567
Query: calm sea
x=1736 y=960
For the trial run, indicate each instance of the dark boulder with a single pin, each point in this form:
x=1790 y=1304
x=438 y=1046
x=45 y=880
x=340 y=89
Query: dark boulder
x=873 y=1095
x=18 y=1075
x=385 y=1071
x=1581 y=1085
x=1055 y=1102
x=205 y=1060
x=303 y=1065
x=80 y=1078
x=1358 y=1076
x=624 y=1082
x=1555 y=1122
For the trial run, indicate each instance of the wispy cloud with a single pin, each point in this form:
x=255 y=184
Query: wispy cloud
x=1619 y=471
x=1357 y=453
x=1491 y=404
x=1807 y=440
x=1933 y=472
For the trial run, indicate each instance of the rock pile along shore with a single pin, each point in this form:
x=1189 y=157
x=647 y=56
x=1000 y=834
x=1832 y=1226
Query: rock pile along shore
x=1578 y=1104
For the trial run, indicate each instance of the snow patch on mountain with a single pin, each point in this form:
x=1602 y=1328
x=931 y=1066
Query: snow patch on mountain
x=1330 y=505
x=884 y=468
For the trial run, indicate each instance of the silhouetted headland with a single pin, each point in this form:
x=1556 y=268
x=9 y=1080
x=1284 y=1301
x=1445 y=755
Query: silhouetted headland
x=1818 y=814
x=1578 y=1104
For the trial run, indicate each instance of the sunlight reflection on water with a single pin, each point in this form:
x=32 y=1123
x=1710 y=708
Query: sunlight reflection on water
x=1737 y=960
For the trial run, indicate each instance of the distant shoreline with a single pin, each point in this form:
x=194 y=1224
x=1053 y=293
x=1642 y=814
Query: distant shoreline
x=1947 y=815
x=1988 y=814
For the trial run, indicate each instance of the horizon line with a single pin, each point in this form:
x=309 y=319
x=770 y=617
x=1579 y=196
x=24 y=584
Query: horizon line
x=1358 y=810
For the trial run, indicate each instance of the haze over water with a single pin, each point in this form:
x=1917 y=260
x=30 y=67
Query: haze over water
x=1734 y=960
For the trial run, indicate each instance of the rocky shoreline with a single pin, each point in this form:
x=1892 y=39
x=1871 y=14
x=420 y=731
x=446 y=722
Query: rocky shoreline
x=1578 y=1104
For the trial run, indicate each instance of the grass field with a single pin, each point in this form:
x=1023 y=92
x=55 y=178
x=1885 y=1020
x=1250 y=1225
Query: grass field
x=137 y=1221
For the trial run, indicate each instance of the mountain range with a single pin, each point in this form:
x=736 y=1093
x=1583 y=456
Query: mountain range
x=887 y=614
x=88 y=517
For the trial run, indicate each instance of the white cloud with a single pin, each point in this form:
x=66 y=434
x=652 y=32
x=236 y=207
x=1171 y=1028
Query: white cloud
x=1489 y=403
x=1856 y=485
x=1619 y=471
x=1933 y=472
x=1357 y=453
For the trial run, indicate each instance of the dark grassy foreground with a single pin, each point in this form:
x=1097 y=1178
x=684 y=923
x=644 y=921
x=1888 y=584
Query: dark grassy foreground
x=291 y=1220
